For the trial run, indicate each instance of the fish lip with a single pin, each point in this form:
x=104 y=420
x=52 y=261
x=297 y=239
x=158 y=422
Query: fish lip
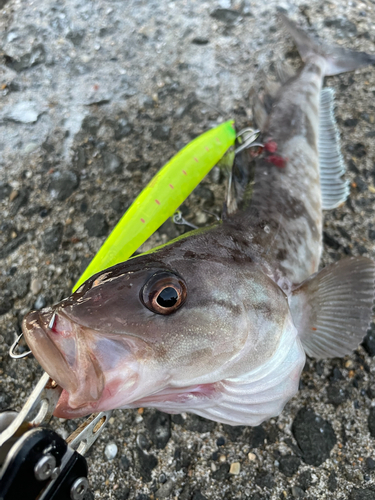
x=35 y=330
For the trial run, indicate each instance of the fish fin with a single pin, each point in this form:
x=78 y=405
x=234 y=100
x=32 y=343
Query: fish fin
x=241 y=182
x=260 y=113
x=332 y=309
x=335 y=189
x=338 y=60
x=284 y=71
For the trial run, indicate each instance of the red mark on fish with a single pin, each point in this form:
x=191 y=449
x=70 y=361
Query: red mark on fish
x=195 y=159
x=142 y=220
x=184 y=172
x=170 y=185
x=278 y=161
x=157 y=201
x=270 y=146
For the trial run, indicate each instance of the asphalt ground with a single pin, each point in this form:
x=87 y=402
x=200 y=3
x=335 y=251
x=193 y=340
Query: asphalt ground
x=95 y=98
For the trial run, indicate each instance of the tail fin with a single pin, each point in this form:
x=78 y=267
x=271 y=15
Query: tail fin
x=338 y=60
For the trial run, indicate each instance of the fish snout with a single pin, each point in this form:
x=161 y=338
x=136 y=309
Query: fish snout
x=60 y=346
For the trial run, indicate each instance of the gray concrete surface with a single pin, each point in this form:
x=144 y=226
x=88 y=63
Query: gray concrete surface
x=94 y=98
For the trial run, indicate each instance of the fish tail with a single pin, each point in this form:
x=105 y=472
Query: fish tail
x=338 y=60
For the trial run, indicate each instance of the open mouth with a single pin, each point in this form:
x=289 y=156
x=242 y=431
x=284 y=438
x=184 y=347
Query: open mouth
x=60 y=348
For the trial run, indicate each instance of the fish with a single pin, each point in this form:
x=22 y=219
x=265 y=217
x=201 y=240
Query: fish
x=219 y=321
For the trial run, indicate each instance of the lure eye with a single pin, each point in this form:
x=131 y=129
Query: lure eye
x=164 y=293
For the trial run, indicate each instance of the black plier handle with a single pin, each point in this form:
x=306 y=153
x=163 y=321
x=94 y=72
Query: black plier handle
x=37 y=463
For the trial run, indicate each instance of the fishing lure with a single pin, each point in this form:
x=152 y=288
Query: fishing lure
x=162 y=196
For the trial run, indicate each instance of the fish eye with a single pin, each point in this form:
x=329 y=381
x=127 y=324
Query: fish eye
x=164 y=293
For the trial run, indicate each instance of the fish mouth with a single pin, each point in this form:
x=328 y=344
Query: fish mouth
x=60 y=347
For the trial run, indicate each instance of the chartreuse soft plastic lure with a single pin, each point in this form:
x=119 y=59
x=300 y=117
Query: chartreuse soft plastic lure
x=162 y=196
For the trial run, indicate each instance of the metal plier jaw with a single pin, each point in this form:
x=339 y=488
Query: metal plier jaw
x=37 y=463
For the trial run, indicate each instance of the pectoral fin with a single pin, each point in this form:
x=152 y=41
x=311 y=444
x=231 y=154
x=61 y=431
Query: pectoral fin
x=332 y=309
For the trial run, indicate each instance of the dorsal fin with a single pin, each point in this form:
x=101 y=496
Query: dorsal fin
x=334 y=188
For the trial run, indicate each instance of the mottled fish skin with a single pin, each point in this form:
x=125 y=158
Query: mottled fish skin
x=285 y=214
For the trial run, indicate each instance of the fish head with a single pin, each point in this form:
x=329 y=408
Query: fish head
x=158 y=332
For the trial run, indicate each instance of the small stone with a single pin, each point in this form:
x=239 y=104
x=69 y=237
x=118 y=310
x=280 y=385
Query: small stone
x=221 y=473
x=19 y=201
x=52 y=237
x=30 y=147
x=120 y=494
x=37 y=55
x=227 y=16
x=36 y=285
x=90 y=124
x=235 y=468
x=205 y=194
x=182 y=458
x=220 y=441
x=112 y=163
x=145 y=101
x=200 y=40
x=357 y=150
x=196 y=423
x=369 y=341
x=161 y=132
x=159 y=427
x=265 y=480
x=124 y=462
x=288 y=465
x=370 y=463
x=6 y=302
x=5 y=190
x=371 y=422
x=336 y=395
x=76 y=36
x=63 y=184
x=305 y=480
x=233 y=432
x=332 y=482
x=145 y=463
x=40 y=302
x=143 y=442
x=122 y=128
x=165 y=490
x=97 y=225
x=314 y=435
x=298 y=492
x=197 y=495
x=20 y=285
x=23 y=112
x=79 y=159
x=330 y=241
x=257 y=437
x=110 y=451
x=251 y=456
x=5 y=399
x=342 y=24
x=362 y=494
x=12 y=245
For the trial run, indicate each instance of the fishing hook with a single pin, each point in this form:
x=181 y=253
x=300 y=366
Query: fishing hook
x=12 y=351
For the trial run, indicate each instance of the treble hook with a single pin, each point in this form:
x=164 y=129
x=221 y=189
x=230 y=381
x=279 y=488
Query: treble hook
x=12 y=351
x=178 y=219
x=250 y=135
